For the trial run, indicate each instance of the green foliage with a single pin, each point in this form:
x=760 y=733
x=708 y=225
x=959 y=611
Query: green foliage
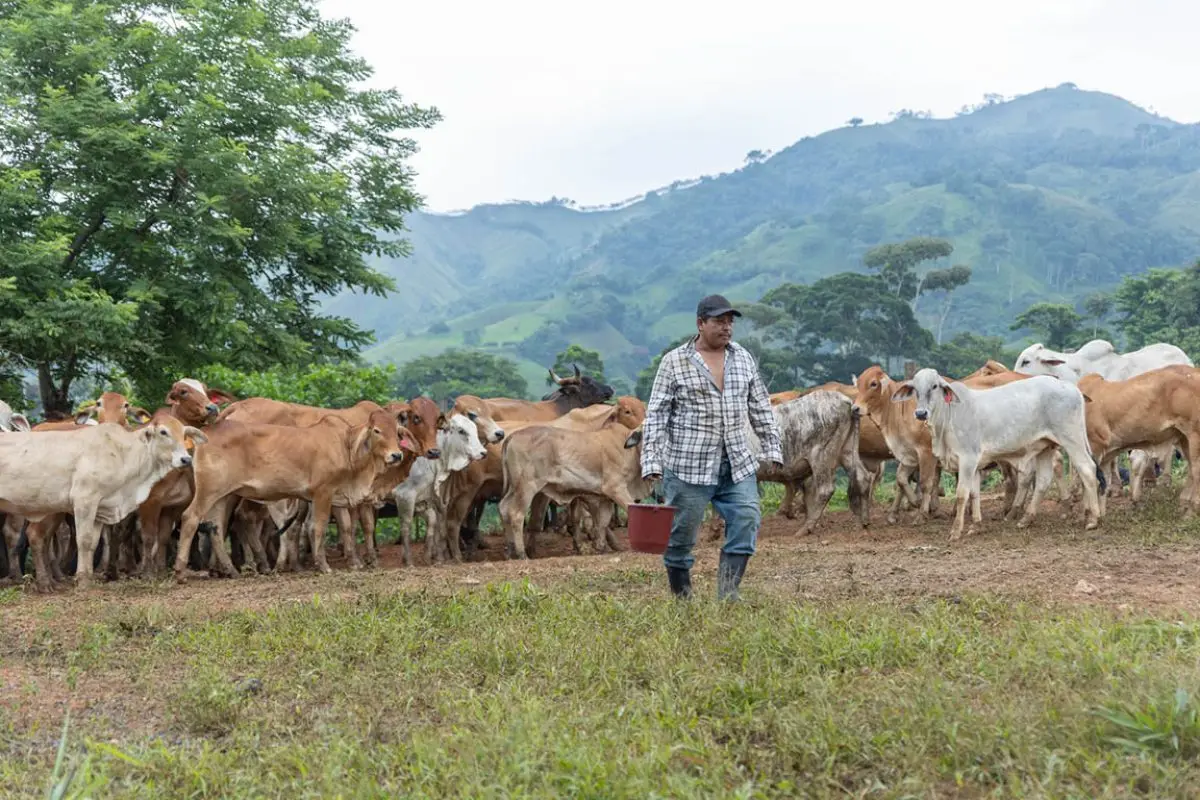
x=1056 y=325
x=1171 y=729
x=454 y=372
x=898 y=266
x=339 y=385
x=966 y=353
x=1161 y=306
x=838 y=326
x=588 y=361
x=181 y=183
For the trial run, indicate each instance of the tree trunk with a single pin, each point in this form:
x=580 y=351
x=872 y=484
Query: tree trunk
x=55 y=398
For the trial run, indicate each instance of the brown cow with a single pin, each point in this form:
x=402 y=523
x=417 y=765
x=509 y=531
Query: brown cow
x=907 y=438
x=1155 y=408
x=192 y=403
x=567 y=464
x=267 y=462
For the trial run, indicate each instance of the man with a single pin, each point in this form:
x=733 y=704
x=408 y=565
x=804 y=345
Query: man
x=694 y=439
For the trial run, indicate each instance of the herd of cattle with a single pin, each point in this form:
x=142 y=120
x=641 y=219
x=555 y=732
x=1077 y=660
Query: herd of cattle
x=120 y=489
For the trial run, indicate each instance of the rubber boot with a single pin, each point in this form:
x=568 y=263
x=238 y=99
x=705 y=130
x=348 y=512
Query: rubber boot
x=730 y=570
x=681 y=582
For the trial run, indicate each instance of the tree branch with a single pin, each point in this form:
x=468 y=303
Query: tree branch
x=178 y=181
x=81 y=239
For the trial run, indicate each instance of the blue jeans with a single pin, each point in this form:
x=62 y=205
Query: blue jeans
x=737 y=503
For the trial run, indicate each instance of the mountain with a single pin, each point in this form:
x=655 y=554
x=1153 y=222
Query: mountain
x=1048 y=196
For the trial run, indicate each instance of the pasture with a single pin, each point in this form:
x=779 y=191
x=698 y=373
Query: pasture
x=877 y=663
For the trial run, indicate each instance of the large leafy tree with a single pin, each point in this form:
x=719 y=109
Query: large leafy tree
x=840 y=324
x=588 y=361
x=1057 y=325
x=454 y=372
x=1163 y=305
x=181 y=180
x=335 y=385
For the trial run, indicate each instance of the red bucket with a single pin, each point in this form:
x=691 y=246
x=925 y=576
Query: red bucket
x=650 y=527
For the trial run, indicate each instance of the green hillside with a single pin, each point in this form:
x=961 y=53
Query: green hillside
x=1049 y=196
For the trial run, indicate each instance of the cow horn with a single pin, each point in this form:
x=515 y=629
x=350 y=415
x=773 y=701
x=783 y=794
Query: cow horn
x=554 y=377
x=576 y=366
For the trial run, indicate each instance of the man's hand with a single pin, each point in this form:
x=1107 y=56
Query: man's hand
x=652 y=477
x=777 y=464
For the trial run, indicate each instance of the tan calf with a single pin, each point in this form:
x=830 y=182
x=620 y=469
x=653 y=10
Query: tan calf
x=1159 y=408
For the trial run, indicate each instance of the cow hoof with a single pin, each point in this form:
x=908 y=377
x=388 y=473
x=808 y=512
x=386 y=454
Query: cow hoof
x=1091 y=526
x=891 y=519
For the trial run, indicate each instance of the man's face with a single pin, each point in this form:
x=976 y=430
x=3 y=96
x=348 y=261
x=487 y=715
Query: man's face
x=716 y=331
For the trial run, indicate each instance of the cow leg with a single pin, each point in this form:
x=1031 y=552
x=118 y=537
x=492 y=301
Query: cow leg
x=405 y=508
x=928 y=469
x=346 y=533
x=12 y=536
x=321 y=506
x=537 y=513
x=288 y=557
x=366 y=519
x=903 y=490
x=38 y=535
x=962 y=495
x=512 y=512
x=87 y=537
x=601 y=510
x=789 y=497
x=1043 y=470
x=817 y=492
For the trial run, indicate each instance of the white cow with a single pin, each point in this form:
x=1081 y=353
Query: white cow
x=1101 y=357
x=11 y=421
x=458 y=445
x=1018 y=422
x=100 y=474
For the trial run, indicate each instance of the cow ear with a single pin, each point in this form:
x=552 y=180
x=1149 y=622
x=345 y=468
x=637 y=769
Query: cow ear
x=139 y=415
x=1086 y=399
x=1052 y=362
x=219 y=396
x=195 y=434
x=634 y=439
x=20 y=423
x=442 y=422
x=904 y=391
x=82 y=417
x=948 y=394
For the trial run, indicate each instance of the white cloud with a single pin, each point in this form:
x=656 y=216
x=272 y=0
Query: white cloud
x=598 y=102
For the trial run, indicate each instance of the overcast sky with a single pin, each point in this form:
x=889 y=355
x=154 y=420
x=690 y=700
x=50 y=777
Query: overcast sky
x=600 y=101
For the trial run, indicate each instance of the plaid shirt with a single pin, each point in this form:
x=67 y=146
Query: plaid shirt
x=690 y=426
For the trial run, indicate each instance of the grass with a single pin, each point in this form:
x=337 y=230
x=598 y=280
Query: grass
x=474 y=694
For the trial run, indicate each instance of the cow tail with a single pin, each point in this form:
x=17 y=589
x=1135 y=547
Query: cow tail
x=300 y=509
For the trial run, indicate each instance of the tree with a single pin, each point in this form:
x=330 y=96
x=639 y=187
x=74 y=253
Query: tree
x=946 y=281
x=1056 y=325
x=1098 y=306
x=338 y=385
x=453 y=372
x=180 y=182
x=966 y=353
x=854 y=122
x=898 y=263
x=1162 y=305
x=840 y=323
x=588 y=361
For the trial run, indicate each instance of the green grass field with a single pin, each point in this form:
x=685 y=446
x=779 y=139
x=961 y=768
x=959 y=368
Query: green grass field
x=857 y=666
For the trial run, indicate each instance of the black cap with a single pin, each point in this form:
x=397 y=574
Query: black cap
x=714 y=306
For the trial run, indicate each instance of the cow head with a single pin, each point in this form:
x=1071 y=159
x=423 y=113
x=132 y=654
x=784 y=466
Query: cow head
x=871 y=387
x=475 y=410
x=1038 y=360
x=167 y=437
x=629 y=412
x=383 y=438
x=460 y=443
x=194 y=403
x=930 y=390
x=11 y=421
x=112 y=407
x=422 y=419
x=579 y=392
